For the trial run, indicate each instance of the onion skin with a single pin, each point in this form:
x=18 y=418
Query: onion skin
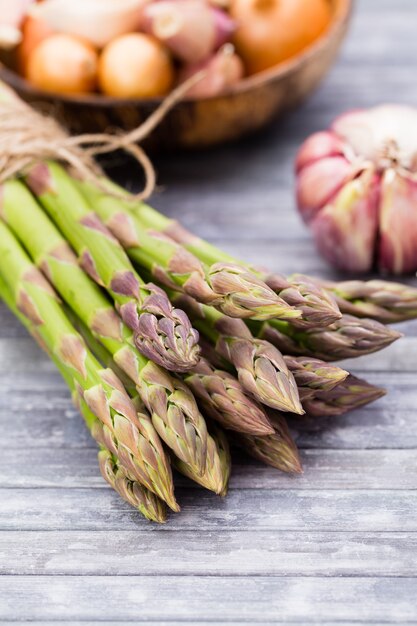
x=135 y=66
x=34 y=31
x=357 y=190
x=95 y=21
x=63 y=64
x=272 y=31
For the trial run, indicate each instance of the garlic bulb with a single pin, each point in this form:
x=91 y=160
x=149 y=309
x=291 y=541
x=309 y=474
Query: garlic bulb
x=97 y=21
x=357 y=189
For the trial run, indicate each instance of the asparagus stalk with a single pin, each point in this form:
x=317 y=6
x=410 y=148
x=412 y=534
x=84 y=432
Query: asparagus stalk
x=217 y=472
x=313 y=305
x=103 y=393
x=222 y=398
x=218 y=393
x=133 y=492
x=381 y=300
x=347 y=338
x=311 y=375
x=173 y=410
x=232 y=289
x=111 y=468
x=260 y=367
x=349 y=395
x=314 y=376
x=162 y=333
x=277 y=450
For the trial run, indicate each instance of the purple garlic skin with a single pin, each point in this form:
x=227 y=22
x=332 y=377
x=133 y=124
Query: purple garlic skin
x=357 y=190
x=192 y=29
x=223 y=70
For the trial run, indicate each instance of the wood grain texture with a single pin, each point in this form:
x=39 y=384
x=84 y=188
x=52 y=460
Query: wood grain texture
x=336 y=546
x=248 y=553
x=256 y=509
x=323 y=469
x=249 y=599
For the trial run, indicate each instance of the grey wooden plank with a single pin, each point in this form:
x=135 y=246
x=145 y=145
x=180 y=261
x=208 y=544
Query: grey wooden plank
x=40 y=414
x=195 y=622
x=380 y=427
x=34 y=422
x=139 y=622
x=38 y=422
x=247 y=599
x=323 y=469
x=198 y=622
x=400 y=356
x=256 y=509
x=191 y=553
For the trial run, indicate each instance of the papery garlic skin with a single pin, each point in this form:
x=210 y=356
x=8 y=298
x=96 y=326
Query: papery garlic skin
x=192 y=29
x=222 y=71
x=357 y=189
x=397 y=251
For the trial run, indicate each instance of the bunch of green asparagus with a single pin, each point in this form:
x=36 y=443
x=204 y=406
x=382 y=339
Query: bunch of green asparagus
x=173 y=349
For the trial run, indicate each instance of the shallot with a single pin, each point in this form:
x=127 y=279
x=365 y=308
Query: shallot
x=222 y=71
x=191 y=29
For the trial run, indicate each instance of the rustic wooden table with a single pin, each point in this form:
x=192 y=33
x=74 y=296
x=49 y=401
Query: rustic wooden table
x=338 y=545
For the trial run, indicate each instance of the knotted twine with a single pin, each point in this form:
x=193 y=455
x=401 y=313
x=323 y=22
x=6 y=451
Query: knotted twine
x=27 y=137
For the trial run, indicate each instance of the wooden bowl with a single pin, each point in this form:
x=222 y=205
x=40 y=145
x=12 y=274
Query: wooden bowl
x=251 y=104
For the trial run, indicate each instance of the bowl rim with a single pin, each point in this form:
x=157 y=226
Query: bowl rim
x=342 y=16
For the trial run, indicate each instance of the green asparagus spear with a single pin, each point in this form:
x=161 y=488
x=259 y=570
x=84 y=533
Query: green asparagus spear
x=217 y=472
x=348 y=395
x=385 y=301
x=313 y=306
x=278 y=450
x=111 y=468
x=162 y=333
x=101 y=390
x=173 y=410
x=222 y=398
x=261 y=369
x=347 y=338
x=228 y=286
x=313 y=375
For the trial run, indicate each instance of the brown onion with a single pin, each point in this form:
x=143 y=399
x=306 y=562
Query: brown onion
x=135 y=66
x=63 y=64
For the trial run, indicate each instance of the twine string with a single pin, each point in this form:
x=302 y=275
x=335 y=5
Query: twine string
x=27 y=137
